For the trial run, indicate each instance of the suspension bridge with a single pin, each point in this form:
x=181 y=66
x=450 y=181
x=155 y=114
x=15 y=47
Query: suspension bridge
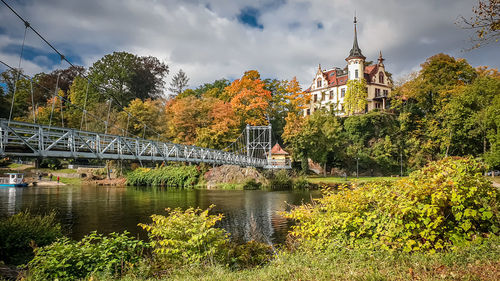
x=23 y=139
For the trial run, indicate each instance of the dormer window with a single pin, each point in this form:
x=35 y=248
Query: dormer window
x=381 y=77
x=318 y=83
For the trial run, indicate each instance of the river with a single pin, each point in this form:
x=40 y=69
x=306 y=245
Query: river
x=248 y=214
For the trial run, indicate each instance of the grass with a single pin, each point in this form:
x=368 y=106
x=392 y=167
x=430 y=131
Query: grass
x=477 y=262
x=64 y=171
x=340 y=180
x=70 y=181
x=495 y=179
x=15 y=165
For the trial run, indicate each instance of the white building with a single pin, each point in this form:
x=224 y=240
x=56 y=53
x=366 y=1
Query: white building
x=328 y=87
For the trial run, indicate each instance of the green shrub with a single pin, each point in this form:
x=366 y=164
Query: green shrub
x=181 y=176
x=302 y=183
x=186 y=237
x=248 y=255
x=251 y=184
x=447 y=203
x=18 y=233
x=281 y=180
x=51 y=163
x=66 y=259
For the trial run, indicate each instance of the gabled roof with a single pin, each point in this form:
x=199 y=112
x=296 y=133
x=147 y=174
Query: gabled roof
x=277 y=150
x=370 y=71
x=334 y=79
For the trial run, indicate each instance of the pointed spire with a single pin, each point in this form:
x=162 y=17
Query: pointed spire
x=380 y=59
x=355 y=51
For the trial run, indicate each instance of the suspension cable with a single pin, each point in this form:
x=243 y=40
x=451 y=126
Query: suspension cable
x=61 y=55
x=62 y=115
x=84 y=113
x=32 y=101
x=107 y=119
x=54 y=100
x=17 y=73
x=99 y=119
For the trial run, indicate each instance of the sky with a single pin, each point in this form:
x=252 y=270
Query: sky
x=214 y=39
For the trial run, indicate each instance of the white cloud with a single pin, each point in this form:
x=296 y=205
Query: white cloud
x=205 y=39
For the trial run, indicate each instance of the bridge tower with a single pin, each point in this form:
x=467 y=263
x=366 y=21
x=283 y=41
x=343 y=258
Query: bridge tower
x=258 y=141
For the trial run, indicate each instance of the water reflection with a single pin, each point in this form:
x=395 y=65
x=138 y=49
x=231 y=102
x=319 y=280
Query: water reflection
x=248 y=214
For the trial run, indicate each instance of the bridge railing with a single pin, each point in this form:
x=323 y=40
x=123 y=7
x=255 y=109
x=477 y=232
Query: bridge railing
x=34 y=140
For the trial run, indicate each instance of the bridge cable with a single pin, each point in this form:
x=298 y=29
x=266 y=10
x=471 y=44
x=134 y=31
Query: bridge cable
x=99 y=119
x=107 y=118
x=84 y=113
x=17 y=72
x=54 y=98
x=26 y=23
x=62 y=115
x=32 y=101
x=126 y=129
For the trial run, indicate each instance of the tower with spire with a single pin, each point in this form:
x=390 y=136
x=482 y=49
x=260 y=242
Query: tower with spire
x=329 y=86
x=355 y=60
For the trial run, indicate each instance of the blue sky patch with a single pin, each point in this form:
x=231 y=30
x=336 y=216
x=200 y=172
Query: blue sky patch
x=250 y=16
x=37 y=56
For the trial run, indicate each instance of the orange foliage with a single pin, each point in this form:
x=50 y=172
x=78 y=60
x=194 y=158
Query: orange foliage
x=223 y=125
x=298 y=99
x=185 y=116
x=249 y=98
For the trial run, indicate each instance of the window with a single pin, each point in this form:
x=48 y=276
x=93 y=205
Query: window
x=377 y=92
x=331 y=95
x=308 y=112
x=356 y=75
x=342 y=93
x=378 y=105
x=386 y=93
x=315 y=98
x=318 y=83
x=322 y=96
x=381 y=77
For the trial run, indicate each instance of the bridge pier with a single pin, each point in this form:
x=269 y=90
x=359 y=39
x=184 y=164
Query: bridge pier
x=38 y=161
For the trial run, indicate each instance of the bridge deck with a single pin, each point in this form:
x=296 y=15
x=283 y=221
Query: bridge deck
x=33 y=140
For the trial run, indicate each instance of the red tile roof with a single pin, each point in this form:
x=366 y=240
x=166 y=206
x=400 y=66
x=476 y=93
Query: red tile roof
x=278 y=150
x=333 y=79
x=370 y=71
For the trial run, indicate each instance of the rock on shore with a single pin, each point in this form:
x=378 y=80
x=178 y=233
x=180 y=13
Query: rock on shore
x=232 y=174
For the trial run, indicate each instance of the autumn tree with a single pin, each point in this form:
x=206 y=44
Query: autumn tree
x=62 y=78
x=179 y=82
x=222 y=128
x=185 y=117
x=292 y=138
x=249 y=98
x=485 y=22
x=316 y=137
x=287 y=98
x=355 y=96
x=148 y=112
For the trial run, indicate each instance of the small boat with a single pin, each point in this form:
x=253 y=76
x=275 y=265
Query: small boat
x=13 y=180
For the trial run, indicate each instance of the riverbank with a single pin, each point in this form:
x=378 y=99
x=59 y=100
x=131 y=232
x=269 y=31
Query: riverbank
x=476 y=262
x=347 y=180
